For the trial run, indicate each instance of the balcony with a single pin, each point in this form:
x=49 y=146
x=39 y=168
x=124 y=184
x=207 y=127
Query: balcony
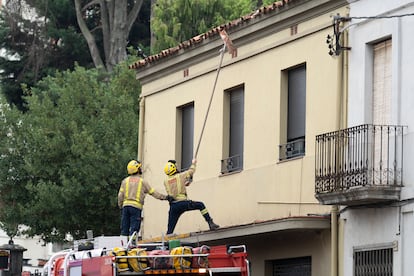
x=231 y=164
x=292 y=149
x=359 y=165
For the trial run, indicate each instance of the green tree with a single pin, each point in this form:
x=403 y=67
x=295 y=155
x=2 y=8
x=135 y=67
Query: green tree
x=41 y=37
x=37 y=40
x=174 y=21
x=109 y=22
x=12 y=176
x=80 y=130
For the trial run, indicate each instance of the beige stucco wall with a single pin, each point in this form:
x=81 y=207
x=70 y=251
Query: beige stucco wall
x=290 y=245
x=266 y=188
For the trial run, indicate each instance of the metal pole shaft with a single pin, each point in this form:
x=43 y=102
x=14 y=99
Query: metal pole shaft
x=211 y=99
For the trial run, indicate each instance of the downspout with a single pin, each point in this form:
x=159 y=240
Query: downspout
x=342 y=124
x=344 y=112
x=334 y=240
x=335 y=208
x=140 y=154
x=141 y=128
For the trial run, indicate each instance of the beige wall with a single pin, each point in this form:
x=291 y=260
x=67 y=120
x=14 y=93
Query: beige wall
x=291 y=245
x=266 y=188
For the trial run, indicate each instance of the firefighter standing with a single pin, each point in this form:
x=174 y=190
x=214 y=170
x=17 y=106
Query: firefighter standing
x=175 y=185
x=131 y=198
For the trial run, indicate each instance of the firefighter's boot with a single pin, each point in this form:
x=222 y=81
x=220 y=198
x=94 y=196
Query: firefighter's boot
x=212 y=225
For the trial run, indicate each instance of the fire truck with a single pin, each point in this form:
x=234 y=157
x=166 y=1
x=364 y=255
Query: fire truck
x=151 y=259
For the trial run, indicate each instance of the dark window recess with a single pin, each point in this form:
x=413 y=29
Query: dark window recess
x=377 y=262
x=187 y=136
x=236 y=132
x=293 y=267
x=296 y=114
x=296 y=103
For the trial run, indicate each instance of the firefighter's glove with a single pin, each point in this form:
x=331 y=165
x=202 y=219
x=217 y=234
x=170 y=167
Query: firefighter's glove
x=169 y=198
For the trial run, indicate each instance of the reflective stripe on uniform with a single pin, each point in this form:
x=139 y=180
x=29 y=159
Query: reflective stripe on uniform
x=175 y=188
x=133 y=202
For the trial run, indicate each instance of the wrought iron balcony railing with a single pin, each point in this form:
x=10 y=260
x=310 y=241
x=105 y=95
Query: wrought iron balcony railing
x=292 y=149
x=360 y=156
x=231 y=164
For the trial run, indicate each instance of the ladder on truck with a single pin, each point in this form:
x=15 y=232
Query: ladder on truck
x=205 y=260
x=218 y=260
x=151 y=259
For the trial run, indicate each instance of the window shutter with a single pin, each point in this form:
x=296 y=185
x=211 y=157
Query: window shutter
x=296 y=103
x=187 y=136
x=381 y=94
x=236 y=122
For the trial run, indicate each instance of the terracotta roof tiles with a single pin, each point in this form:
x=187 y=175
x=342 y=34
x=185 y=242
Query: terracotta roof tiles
x=211 y=33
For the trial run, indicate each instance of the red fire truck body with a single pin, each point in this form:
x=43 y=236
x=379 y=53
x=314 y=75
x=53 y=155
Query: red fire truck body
x=182 y=260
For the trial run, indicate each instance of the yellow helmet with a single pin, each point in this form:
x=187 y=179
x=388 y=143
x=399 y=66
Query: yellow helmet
x=170 y=168
x=133 y=166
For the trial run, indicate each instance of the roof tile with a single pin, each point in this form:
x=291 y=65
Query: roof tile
x=211 y=33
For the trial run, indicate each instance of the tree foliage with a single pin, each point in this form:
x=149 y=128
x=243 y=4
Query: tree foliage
x=66 y=155
x=37 y=39
x=174 y=21
x=12 y=180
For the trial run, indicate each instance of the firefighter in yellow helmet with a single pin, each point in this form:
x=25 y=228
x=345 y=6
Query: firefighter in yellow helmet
x=131 y=198
x=175 y=185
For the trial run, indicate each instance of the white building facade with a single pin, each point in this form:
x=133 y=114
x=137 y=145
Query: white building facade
x=370 y=176
x=381 y=87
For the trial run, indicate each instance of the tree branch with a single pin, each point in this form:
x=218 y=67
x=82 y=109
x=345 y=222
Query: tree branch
x=93 y=48
x=106 y=27
x=133 y=14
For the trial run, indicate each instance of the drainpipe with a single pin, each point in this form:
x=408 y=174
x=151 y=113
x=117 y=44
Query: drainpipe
x=342 y=123
x=335 y=208
x=334 y=240
x=345 y=80
x=140 y=153
x=141 y=128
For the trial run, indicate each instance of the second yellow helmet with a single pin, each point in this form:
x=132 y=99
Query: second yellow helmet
x=170 y=168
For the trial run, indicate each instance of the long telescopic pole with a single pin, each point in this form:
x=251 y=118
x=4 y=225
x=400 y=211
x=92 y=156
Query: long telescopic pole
x=223 y=50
